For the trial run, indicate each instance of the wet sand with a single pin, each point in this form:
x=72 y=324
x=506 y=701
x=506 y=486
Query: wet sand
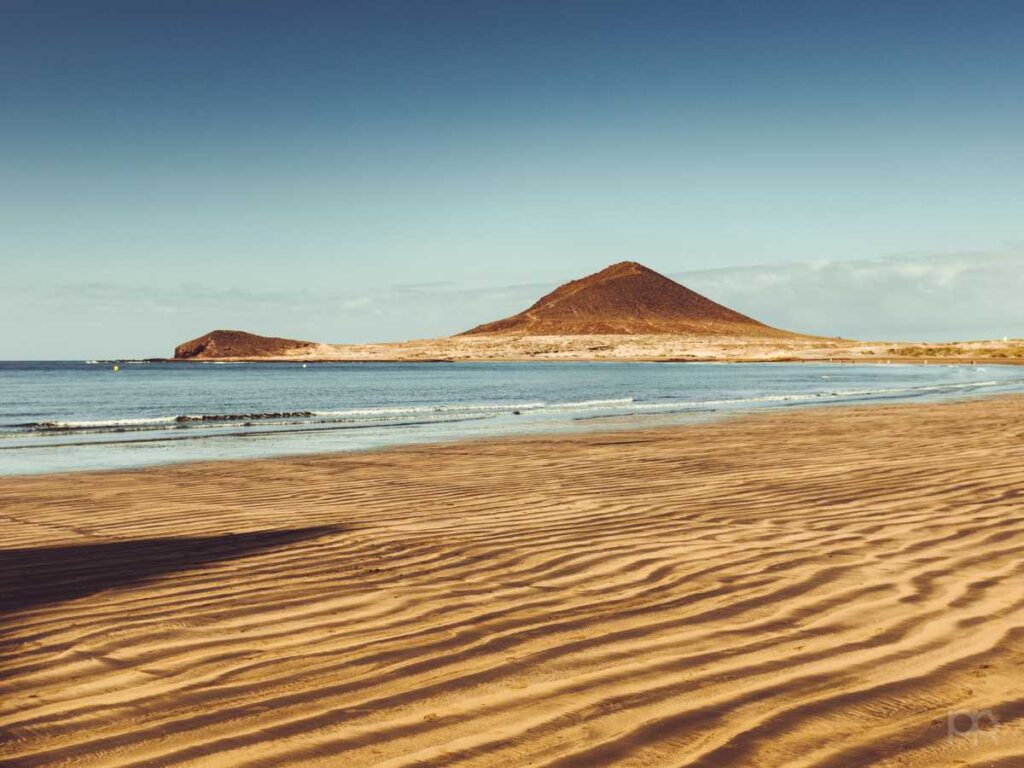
x=824 y=587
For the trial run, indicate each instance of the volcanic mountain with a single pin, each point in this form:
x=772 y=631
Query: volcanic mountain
x=626 y=298
x=217 y=344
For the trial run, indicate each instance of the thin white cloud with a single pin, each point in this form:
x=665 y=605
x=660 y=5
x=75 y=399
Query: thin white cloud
x=949 y=296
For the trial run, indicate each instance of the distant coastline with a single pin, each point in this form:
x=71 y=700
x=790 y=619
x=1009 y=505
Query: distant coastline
x=642 y=348
x=625 y=312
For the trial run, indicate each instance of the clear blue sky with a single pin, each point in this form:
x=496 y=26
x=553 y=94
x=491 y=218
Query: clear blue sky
x=164 y=149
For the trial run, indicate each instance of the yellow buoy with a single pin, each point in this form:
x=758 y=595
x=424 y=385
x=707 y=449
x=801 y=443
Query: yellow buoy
x=116 y=367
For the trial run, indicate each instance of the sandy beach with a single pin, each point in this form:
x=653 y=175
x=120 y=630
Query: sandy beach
x=826 y=587
x=649 y=348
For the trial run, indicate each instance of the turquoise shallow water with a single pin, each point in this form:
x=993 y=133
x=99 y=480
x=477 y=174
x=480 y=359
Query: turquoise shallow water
x=59 y=416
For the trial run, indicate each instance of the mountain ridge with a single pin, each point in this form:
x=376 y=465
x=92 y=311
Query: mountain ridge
x=228 y=343
x=626 y=298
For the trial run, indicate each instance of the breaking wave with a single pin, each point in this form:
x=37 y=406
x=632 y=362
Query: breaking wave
x=310 y=418
x=407 y=415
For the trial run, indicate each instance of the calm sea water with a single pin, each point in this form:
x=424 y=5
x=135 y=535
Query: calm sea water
x=71 y=415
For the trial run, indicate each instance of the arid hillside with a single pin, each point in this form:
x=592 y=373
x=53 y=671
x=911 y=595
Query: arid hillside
x=220 y=344
x=626 y=298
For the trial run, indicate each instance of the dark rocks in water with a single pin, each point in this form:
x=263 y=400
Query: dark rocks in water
x=244 y=416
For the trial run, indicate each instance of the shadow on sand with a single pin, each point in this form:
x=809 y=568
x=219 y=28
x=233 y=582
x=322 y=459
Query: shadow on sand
x=43 y=575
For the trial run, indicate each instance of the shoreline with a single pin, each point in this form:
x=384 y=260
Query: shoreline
x=639 y=348
x=587 y=599
x=724 y=360
x=669 y=420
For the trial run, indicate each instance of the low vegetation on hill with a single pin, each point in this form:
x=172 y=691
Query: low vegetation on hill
x=1014 y=351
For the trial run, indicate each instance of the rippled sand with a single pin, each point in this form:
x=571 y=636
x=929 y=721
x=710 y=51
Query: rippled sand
x=816 y=588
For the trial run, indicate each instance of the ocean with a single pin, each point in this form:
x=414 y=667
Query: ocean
x=68 y=416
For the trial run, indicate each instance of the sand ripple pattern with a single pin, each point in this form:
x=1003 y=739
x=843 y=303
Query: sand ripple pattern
x=792 y=589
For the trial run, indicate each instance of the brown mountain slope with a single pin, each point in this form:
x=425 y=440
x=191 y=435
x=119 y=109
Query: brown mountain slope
x=626 y=298
x=217 y=344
